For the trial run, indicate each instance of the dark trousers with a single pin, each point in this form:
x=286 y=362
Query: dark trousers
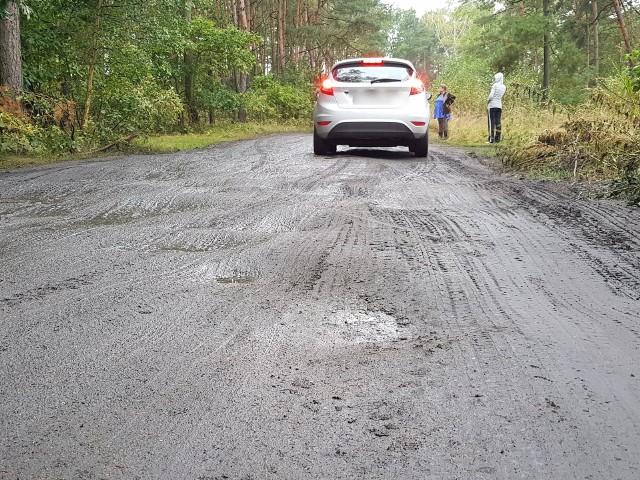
x=443 y=128
x=495 y=124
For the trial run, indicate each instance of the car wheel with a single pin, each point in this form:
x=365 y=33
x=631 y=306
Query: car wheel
x=421 y=147
x=321 y=146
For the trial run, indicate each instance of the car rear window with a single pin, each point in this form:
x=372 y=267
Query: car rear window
x=359 y=72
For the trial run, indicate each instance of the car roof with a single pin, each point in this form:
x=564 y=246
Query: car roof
x=382 y=59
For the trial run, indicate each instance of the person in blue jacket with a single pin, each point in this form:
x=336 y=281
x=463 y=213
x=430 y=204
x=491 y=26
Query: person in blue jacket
x=442 y=110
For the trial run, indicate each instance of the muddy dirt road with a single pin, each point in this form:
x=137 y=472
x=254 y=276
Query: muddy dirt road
x=254 y=312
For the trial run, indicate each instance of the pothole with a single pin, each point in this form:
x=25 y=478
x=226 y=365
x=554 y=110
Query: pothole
x=185 y=249
x=237 y=279
x=365 y=326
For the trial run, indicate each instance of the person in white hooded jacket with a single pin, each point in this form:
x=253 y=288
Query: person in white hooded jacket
x=495 y=108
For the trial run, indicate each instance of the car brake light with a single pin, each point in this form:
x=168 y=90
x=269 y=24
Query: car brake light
x=372 y=61
x=419 y=124
x=324 y=123
x=326 y=87
x=417 y=87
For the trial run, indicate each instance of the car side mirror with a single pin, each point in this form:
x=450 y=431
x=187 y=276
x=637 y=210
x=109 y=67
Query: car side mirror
x=428 y=95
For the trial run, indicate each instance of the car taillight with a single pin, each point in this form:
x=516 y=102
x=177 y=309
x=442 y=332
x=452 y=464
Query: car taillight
x=373 y=61
x=326 y=87
x=417 y=87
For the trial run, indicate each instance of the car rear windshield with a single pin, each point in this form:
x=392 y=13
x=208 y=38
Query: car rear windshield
x=358 y=72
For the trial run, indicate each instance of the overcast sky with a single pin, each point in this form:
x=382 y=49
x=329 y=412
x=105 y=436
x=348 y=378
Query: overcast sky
x=420 y=6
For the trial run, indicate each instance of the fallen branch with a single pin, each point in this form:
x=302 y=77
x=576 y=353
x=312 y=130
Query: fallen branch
x=117 y=142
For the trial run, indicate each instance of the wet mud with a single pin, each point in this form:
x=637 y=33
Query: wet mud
x=252 y=311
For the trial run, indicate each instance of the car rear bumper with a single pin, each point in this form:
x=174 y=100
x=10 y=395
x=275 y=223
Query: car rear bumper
x=372 y=134
x=374 y=127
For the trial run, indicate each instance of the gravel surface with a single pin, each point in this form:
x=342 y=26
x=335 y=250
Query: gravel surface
x=251 y=311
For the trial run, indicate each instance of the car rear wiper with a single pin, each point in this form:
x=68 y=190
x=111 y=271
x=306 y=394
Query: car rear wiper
x=381 y=80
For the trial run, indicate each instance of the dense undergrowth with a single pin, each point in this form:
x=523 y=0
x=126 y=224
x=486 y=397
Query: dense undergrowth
x=36 y=126
x=596 y=142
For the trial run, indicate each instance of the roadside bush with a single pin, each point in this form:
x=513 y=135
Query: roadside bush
x=269 y=99
x=218 y=97
x=16 y=134
x=123 y=108
x=599 y=141
x=634 y=73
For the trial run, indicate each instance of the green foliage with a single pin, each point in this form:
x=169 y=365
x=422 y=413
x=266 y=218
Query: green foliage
x=19 y=136
x=15 y=134
x=13 y=124
x=510 y=41
x=508 y=36
x=469 y=79
x=127 y=107
x=586 y=129
x=268 y=98
x=598 y=141
x=413 y=40
x=353 y=28
x=220 y=50
x=634 y=72
x=217 y=96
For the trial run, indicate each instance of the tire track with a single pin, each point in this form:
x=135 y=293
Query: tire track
x=254 y=311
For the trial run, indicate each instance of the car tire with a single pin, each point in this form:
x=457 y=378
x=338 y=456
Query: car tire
x=421 y=147
x=321 y=146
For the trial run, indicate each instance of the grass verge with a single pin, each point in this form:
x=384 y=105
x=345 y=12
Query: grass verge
x=224 y=132
x=589 y=146
x=520 y=126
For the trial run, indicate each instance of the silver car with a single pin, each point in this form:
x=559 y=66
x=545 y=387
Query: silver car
x=372 y=102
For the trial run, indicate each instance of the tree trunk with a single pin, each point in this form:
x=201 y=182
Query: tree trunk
x=596 y=39
x=272 y=40
x=623 y=29
x=251 y=13
x=243 y=20
x=297 y=23
x=234 y=11
x=92 y=64
x=189 y=84
x=546 y=51
x=10 y=49
x=242 y=79
x=282 y=32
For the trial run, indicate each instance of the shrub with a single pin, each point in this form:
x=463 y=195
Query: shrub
x=219 y=97
x=598 y=141
x=126 y=108
x=269 y=99
x=16 y=134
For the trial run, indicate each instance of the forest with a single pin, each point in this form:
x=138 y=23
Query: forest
x=78 y=75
